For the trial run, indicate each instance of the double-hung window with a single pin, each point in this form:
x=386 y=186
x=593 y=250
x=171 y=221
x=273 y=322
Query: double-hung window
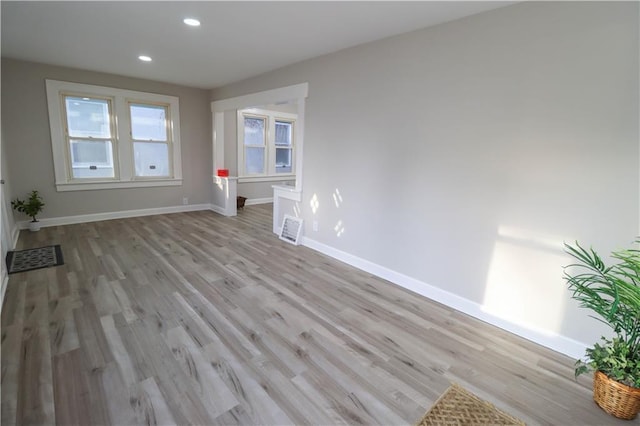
x=90 y=137
x=104 y=137
x=284 y=146
x=266 y=146
x=254 y=144
x=151 y=139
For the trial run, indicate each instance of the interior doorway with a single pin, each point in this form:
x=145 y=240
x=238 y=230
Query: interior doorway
x=225 y=137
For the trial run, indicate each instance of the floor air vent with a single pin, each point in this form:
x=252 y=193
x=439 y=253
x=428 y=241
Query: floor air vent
x=291 y=229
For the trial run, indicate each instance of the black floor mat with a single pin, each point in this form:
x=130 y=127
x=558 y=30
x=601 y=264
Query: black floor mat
x=27 y=260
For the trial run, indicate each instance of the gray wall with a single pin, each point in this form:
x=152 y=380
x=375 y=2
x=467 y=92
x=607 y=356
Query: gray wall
x=260 y=190
x=26 y=134
x=466 y=153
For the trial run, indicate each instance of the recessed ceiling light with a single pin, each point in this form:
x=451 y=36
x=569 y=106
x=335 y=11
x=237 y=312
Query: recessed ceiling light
x=145 y=58
x=191 y=22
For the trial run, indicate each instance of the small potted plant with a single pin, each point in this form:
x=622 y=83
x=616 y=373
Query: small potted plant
x=31 y=207
x=613 y=294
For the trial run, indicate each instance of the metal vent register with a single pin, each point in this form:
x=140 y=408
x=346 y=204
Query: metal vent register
x=291 y=229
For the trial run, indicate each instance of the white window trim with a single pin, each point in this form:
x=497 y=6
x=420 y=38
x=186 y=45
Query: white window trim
x=124 y=145
x=270 y=148
x=296 y=93
x=279 y=178
x=169 y=135
x=259 y=115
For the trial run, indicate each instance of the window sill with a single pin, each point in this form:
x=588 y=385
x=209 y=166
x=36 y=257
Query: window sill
x=274 y=178
x=90 y=186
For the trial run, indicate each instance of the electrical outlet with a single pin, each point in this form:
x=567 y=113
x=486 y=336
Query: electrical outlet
x=185 y=200
x=315 y=226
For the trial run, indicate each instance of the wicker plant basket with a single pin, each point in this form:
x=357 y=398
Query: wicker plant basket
x=615 y=398
x=240 y=201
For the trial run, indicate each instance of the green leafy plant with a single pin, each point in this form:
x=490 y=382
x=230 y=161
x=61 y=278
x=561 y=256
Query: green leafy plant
x=31 y=206
x=614 y=358
x=613 y=294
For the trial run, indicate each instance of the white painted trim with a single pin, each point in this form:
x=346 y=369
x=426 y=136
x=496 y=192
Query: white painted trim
x=224 y=177
x=269 y=146
x=15 y=234
x=266 y=179
x=218 y=142
x=84 y=186
x=123 y=143
x=217 y=209
x=253 y=201
x=287 y=191
x=227 y=188
x=282 y=94
x=94 y=217
x=297 y=93
x=553 y=341
x=299 y=138
x=5 y=282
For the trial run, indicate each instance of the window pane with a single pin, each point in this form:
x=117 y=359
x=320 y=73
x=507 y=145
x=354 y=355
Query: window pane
x=283 y=160
x=148 y=122
x=151 y=159
x=87 y=117
x=91 y=152
x=254 y=160
x=254 y=131
x=91 y=159
x=283 y=133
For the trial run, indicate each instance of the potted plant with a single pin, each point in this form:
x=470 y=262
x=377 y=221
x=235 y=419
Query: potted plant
x=613 y=294
x=31 y=207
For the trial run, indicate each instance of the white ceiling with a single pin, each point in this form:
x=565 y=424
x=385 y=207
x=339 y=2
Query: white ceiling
x=236 y=40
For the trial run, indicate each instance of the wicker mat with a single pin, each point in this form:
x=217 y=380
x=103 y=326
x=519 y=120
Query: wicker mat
x=458 y=406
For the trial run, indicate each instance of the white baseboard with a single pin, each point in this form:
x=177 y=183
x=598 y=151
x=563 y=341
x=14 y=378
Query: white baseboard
x=550 y=340
x=15 y=233
x=5 y=281
x=94 y=217
x=217 y=209
x=252 y=201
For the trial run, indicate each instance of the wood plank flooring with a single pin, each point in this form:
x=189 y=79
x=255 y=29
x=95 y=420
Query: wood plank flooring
x=194 y=318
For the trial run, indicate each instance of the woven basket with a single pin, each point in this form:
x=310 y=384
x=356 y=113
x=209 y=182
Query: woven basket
x=615 y=398
x=240 y=202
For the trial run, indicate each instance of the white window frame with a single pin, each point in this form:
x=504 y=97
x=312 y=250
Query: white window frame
x=291 y=147
x=270 y=146
x=123 y=147
x=168 y=142
x=242 y=147
x=112 y=153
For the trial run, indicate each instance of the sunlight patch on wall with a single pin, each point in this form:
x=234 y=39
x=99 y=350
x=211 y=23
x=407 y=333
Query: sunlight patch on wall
x=339 y=228
x=524 y=282
x=314 y=203
x=337 y=198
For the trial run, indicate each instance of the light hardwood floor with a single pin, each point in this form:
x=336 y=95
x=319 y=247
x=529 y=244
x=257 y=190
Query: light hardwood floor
x=193 y=318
